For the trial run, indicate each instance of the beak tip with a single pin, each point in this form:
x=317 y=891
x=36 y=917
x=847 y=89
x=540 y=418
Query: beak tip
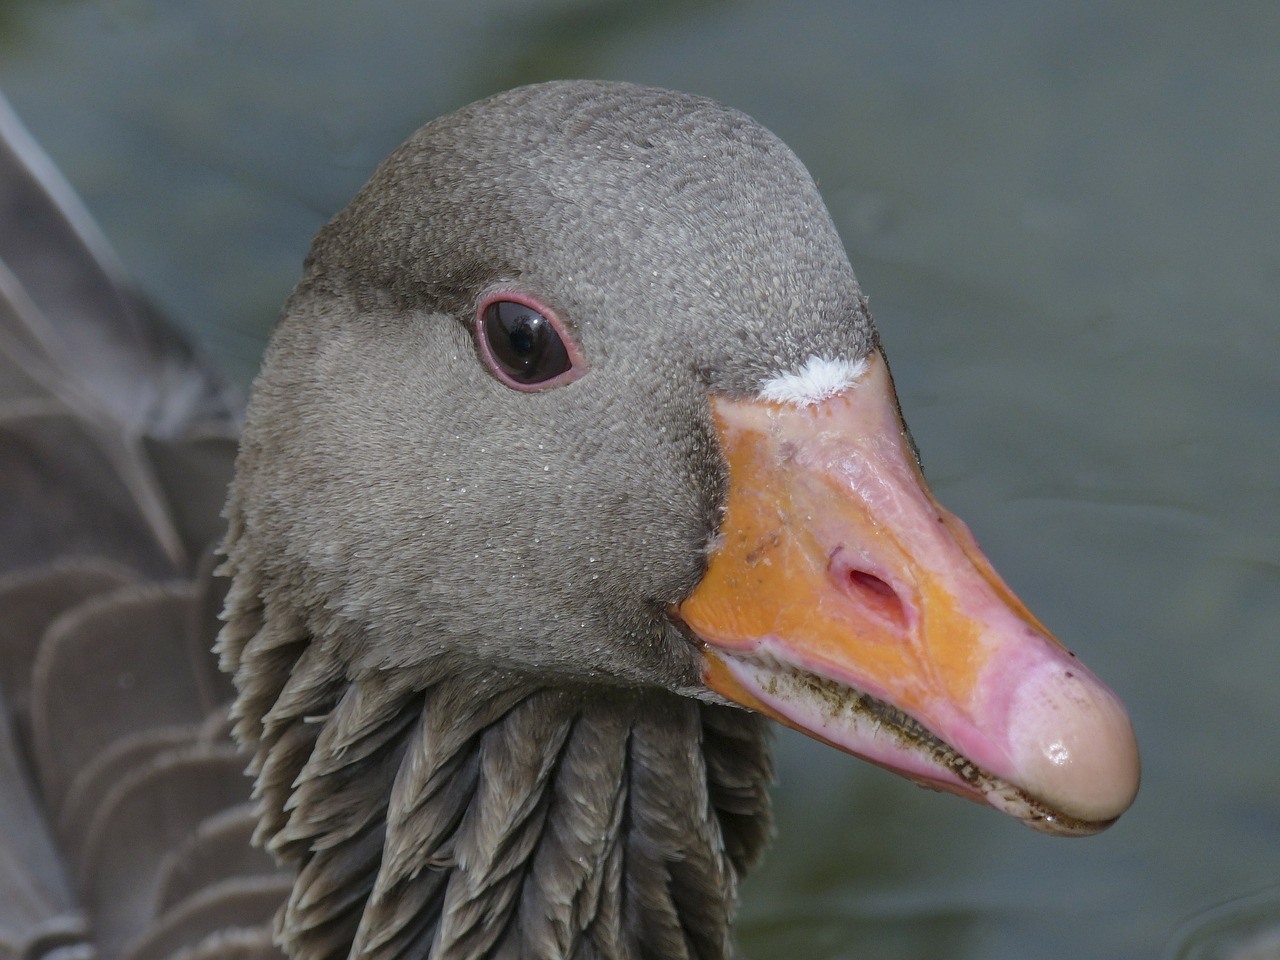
x=1073 y=744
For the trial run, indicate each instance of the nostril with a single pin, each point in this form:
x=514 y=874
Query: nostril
x=869 y=581
x=875 y=595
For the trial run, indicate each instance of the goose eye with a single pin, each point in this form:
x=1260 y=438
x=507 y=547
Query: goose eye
x=523 y=344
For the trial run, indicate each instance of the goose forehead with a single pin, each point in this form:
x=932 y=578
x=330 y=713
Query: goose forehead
x=596 y=122
x=657 y=225
x=628 y=155
x=447 y=220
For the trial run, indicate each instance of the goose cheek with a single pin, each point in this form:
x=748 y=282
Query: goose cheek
x=843 y=600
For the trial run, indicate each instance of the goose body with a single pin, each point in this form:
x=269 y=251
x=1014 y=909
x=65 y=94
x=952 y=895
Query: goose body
x=573 y=458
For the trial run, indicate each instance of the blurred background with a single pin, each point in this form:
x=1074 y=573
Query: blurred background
x=1067 y=218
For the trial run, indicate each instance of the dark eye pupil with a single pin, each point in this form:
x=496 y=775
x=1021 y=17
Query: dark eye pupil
x=523 y=342
x=524 y=338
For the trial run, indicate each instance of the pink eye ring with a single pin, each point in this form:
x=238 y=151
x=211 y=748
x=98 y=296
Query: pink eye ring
x=524 y=343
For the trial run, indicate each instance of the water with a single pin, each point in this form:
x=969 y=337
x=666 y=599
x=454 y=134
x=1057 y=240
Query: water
x=1066 y=217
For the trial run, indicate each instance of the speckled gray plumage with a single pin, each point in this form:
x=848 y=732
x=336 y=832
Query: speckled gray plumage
x=403 y=522
x=484 y=817
x=475 y=732
x=397 y=490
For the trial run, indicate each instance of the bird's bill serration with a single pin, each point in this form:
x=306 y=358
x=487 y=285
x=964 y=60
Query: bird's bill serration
x=841 y=599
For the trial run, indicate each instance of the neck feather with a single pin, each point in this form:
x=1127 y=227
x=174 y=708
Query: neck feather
x=473 y=815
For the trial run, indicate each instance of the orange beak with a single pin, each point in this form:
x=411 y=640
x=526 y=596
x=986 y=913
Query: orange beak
x=842 y=600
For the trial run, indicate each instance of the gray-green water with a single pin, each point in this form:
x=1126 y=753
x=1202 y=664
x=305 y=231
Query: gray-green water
x=1067 y=216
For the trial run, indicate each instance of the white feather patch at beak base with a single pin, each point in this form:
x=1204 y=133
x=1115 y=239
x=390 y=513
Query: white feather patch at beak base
x=817 y=380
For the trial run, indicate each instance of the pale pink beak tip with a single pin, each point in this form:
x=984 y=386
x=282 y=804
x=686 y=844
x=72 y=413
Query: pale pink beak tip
x=1072 y=743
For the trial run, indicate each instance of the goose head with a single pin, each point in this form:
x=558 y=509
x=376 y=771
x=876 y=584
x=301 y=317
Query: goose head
x=580 y=392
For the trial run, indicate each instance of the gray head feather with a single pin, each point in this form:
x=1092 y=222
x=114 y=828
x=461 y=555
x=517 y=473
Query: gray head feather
x=470 y=711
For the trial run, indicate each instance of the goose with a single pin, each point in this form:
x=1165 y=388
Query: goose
x=574 y=462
